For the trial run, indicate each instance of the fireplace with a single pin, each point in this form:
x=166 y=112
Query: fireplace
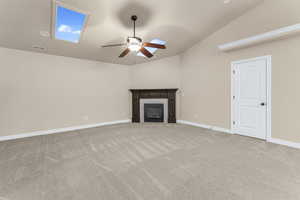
x=153 y=112
x=154 y=105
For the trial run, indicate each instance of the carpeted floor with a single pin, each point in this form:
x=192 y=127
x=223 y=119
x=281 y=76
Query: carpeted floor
x=147 y=162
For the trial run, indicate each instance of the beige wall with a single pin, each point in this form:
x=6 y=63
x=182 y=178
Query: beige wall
x=206 y=70
x=42 y=92
x=164 y=73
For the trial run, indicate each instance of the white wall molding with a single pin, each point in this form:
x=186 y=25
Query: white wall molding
x=223 y=130
x=74 y=128
x=215 y=128
x=265 y=37
x=61 y=130
x=284 y=142
x=219 y=129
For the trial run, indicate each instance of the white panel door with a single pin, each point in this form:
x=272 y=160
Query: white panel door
x=250 y=98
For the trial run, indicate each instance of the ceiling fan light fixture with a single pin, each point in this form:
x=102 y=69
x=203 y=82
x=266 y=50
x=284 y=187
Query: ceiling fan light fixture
x=134 y=47
x=134 y=44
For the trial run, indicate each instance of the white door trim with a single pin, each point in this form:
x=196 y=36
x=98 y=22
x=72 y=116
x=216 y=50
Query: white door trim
x=268 y=59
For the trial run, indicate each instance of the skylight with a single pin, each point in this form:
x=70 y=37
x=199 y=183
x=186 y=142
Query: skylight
x=150 y=49
x=69 y=24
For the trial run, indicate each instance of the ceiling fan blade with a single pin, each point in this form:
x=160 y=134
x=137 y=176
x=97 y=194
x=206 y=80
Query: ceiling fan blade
x=146 y=52
x=124 y=53
x=113 y=45
x=158 y=46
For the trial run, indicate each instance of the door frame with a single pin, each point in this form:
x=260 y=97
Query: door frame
x=268 y=59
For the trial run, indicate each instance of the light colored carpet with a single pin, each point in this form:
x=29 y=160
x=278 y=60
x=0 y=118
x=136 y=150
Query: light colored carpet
x=147 y=162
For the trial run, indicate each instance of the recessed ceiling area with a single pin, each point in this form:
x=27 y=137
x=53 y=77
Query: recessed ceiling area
x=179 y=23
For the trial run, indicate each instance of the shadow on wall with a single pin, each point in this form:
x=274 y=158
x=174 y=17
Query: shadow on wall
x=178 y=38
x=134 y=8
x=92 y=8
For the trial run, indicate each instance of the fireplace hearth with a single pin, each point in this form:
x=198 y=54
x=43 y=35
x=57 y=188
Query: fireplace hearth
x=154 y=105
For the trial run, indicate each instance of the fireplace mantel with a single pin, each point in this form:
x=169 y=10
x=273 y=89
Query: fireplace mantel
x=169 y=94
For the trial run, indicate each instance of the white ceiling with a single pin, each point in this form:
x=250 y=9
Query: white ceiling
x=179 y=22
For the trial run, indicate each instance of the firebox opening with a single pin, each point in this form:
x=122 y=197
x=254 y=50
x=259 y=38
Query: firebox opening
x=154 y=112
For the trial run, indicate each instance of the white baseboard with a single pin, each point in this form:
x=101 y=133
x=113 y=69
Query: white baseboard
x=271 y=140
x=219 y=129
x=74 y=128
x=215 y=128
x=284 y=142
x=61 y=130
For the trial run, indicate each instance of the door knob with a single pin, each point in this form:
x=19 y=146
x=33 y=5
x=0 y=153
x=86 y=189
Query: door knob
x=263 y=104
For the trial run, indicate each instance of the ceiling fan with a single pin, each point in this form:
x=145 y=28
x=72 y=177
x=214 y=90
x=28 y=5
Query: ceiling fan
x=136 y=44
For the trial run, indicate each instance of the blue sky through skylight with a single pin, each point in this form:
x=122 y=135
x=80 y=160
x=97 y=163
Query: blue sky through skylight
x=150 y=49
x=69 y=24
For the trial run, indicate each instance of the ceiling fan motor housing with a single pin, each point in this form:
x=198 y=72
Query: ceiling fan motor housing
x=134 y=17
x=134 y=40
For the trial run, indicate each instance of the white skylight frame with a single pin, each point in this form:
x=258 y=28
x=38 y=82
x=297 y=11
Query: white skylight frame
x=55 y=4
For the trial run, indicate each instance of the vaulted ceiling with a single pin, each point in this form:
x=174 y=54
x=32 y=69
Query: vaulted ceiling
x=180 y=23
